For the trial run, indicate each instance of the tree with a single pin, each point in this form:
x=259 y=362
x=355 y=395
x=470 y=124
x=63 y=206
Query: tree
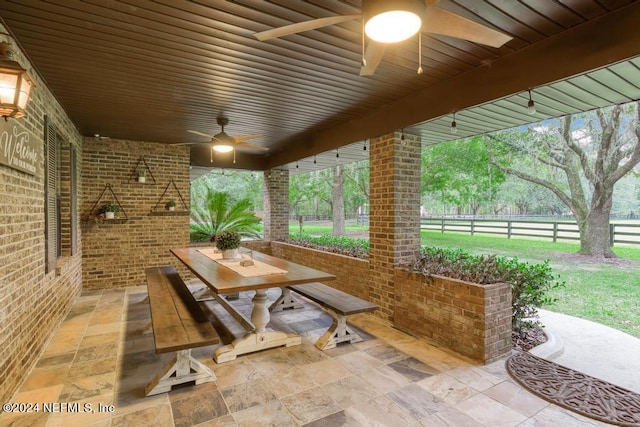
x=337 y=201
x=214 y=214
x=356 y=186
x=460 y=172
x=586 y=154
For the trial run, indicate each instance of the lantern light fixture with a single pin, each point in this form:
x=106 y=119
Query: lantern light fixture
x=15 y=85
x=531 y=106
x=454 y=125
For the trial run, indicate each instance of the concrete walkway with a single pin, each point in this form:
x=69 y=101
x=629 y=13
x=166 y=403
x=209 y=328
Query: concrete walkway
x=592 y=348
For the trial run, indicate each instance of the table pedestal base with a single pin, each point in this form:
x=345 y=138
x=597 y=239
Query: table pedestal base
x=258 y=339
x=253 y=342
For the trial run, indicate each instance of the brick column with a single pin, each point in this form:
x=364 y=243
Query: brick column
x=394 y=222
x=276 y=204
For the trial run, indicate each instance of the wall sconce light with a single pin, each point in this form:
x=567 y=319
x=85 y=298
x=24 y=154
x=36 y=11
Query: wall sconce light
x=15 y=85
x=531 y=106
x=364 y=147
x=392 y=21
x=337 y=154
x=454 y=125
x=314 y=160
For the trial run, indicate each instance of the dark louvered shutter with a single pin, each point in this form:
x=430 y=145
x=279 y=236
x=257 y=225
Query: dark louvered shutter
x=51 y=216
x=74 y=200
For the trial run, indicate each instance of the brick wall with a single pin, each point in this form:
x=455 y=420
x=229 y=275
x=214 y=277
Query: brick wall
x=470 y=319
x=473 y=320
x=32 y=302
x=394 y=221
x=352 y=274
x=276 y=204
x=116 y=253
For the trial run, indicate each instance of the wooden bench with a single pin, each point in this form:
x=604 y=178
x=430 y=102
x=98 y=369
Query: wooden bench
x=179 y=324
x=340 y=305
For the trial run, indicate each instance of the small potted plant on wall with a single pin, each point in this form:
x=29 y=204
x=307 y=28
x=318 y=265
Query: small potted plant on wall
x=228 y=242
x=171 y=205
x=109 y=210
x=142 y=175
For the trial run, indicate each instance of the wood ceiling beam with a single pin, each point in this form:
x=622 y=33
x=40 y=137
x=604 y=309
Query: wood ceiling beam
x=595 y=44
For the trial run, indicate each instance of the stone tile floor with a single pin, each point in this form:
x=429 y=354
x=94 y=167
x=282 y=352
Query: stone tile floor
x=103 y=354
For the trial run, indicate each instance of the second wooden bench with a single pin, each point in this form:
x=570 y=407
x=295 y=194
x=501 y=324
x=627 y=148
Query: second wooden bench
x=340 y=305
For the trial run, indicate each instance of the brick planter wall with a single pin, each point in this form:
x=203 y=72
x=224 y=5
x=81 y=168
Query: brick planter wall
x=352 y=274
x=470 y=319
x=473 y=320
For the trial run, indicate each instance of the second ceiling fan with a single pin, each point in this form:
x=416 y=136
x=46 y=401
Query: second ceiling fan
x=223 y=143
x=393 y=21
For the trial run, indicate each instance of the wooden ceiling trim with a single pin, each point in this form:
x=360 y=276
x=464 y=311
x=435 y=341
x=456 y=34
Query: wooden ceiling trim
x=589 y=10
x=170 y=61
x=560 y=14
x=582 y=48
x=249 y=90
x=116 y=39
x=537 y=27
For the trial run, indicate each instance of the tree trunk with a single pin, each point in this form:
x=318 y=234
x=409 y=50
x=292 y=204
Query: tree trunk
x=338 y=202
x=595 y=233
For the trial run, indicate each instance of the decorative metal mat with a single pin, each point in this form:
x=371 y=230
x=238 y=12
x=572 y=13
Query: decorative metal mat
x=575 y=391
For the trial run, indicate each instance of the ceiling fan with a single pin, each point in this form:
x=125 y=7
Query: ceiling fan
x=393 y=21
x=223 y=143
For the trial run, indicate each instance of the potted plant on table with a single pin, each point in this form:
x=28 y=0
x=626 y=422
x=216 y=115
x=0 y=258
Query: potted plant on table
x=171 y=205
x=109 y=210
x=228 y=242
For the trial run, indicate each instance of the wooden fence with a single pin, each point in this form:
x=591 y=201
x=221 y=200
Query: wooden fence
x=619 y=233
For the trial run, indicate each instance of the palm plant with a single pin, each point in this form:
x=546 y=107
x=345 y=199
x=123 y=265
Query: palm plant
x=212 y=214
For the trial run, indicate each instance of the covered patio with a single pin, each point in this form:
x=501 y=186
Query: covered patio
x=118 y=87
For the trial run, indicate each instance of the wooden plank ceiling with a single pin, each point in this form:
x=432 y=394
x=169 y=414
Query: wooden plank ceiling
x=152 y=70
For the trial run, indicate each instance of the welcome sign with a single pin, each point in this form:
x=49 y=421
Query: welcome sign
x=17 y=149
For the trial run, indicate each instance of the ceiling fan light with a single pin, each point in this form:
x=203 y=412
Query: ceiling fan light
x=222 y=148
x=392 y=21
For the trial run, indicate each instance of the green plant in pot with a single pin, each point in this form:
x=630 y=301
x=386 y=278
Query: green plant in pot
x=142 y=175
x=109 y=210
x=171 y=205
x=228 y=242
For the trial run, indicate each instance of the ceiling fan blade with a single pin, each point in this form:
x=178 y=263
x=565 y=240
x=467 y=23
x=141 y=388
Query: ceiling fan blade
x=300 y=27
x=242 y=138
x=200 y=133
x=441 y=21
x=248 y=146
x=372 y=55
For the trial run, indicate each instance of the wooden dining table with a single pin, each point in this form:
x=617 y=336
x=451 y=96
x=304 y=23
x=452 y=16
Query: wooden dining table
x=226 y=277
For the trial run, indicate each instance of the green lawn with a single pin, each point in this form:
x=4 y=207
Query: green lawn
x=314 y=229
x=604 y=293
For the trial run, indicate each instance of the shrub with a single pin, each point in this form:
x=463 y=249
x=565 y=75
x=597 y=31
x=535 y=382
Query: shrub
x=228 y=239
x=343 y=245
x=530 y=283
x=214 y=213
